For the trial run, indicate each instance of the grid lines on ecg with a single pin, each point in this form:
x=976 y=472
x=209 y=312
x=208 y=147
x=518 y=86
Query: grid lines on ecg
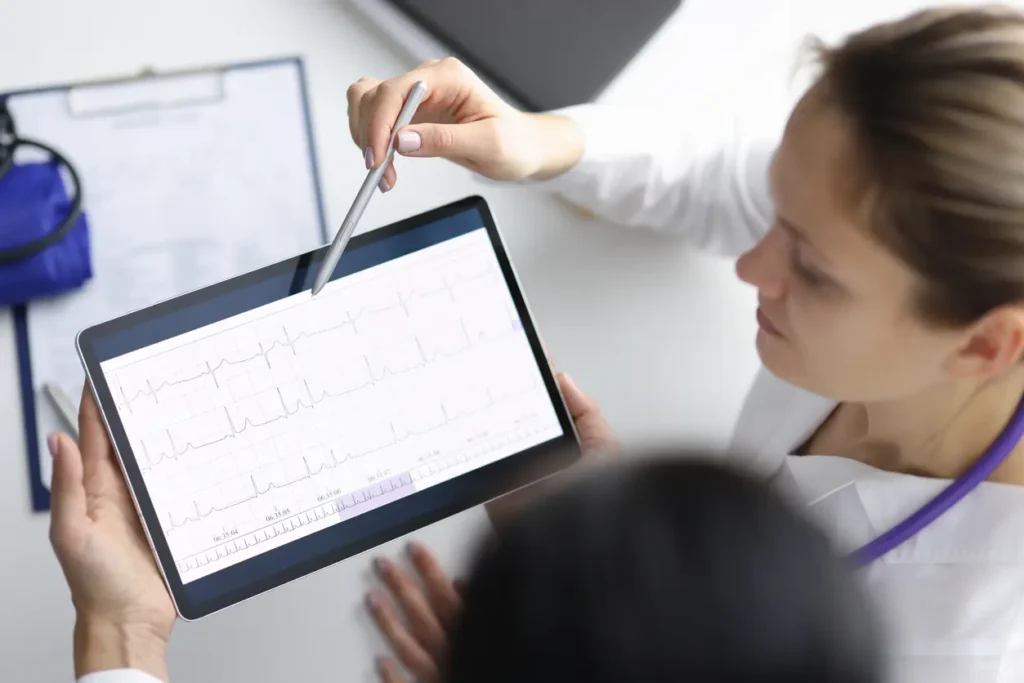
x=244 y=423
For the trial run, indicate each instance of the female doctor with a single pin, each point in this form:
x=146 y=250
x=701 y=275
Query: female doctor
x=884 y=232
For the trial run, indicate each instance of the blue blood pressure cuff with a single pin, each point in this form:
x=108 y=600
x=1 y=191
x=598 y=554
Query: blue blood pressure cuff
x=44 y=235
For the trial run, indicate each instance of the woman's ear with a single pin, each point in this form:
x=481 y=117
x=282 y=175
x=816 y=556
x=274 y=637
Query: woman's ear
x=992 y=345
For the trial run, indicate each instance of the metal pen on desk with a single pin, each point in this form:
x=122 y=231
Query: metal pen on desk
x=348 y=226
x=64 y=407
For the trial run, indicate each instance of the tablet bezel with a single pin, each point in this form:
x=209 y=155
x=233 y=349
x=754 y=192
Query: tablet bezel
x=491 y=481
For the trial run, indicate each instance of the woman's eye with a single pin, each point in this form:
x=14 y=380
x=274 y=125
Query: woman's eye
x=808 y=273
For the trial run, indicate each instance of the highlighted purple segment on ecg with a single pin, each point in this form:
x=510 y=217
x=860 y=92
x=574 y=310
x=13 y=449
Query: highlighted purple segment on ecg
x=268 y=426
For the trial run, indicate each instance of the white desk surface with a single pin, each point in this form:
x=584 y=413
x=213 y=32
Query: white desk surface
x=624 y=312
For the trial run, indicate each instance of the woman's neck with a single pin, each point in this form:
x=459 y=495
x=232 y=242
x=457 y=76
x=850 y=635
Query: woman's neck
x=942 y=432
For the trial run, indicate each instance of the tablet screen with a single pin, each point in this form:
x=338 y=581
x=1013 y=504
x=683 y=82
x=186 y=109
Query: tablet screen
x=265 y=426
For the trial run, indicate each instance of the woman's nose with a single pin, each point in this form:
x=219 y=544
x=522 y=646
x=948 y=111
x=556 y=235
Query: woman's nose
x=764 y=266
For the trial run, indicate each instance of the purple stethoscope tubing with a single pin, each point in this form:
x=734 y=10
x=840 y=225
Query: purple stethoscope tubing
x=950 y=496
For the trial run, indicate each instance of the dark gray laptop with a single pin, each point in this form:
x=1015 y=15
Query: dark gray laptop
x=544 y=54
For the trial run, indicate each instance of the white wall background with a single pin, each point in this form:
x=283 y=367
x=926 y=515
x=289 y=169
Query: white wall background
x=625 y=313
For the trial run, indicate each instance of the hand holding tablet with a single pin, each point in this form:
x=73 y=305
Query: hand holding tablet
x=265 y=434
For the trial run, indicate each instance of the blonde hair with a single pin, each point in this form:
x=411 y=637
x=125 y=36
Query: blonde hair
x=936 y=102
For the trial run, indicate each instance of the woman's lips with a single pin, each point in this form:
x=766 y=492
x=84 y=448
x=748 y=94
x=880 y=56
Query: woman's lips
x=765 y=324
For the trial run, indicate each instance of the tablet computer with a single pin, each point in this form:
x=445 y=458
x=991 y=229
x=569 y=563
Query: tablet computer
x=265 y=433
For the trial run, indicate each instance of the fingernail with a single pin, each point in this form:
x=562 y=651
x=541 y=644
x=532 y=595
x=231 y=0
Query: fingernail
x=415 y=548
x=383 y=185
x=372 y=601
x=409 y=141
x=381 y=565
x=53 y=443
x=368 y=157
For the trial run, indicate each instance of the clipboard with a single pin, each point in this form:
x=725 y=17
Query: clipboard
x=234 y=141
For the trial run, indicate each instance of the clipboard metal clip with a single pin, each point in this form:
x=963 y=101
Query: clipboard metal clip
x=147 y=90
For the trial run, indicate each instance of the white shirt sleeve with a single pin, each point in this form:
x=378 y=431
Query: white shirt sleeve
x=704 y=178
x=119 y=676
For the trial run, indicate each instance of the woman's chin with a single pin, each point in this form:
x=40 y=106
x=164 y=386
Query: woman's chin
x=782 y=362
x=776 y=356
x=770 y=347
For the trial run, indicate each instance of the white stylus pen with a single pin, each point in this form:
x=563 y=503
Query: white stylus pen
x=348 y=226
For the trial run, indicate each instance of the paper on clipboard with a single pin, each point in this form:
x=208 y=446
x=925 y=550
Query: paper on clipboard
x=187 y=180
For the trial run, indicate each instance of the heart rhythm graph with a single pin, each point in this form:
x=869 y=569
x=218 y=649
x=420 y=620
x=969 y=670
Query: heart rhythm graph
x=265 y=427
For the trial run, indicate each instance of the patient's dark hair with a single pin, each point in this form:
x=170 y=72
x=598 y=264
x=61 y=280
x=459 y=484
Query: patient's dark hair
x=665 y=569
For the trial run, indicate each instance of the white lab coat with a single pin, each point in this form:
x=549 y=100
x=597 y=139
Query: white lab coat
x=953 y=596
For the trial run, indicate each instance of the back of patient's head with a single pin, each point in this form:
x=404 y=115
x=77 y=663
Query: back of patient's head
x=662 y=570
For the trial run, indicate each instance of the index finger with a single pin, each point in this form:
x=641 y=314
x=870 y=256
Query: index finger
x=355 y=93
x=388 y=101
x=442 y=78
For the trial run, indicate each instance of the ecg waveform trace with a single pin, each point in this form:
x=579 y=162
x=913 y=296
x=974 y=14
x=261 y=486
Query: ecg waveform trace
x=254 y=431
x=262 y=353
x=232 y=430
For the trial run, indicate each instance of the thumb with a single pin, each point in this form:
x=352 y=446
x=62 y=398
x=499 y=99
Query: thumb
x=68 y=500
x=449 y=140
x=578 y=403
